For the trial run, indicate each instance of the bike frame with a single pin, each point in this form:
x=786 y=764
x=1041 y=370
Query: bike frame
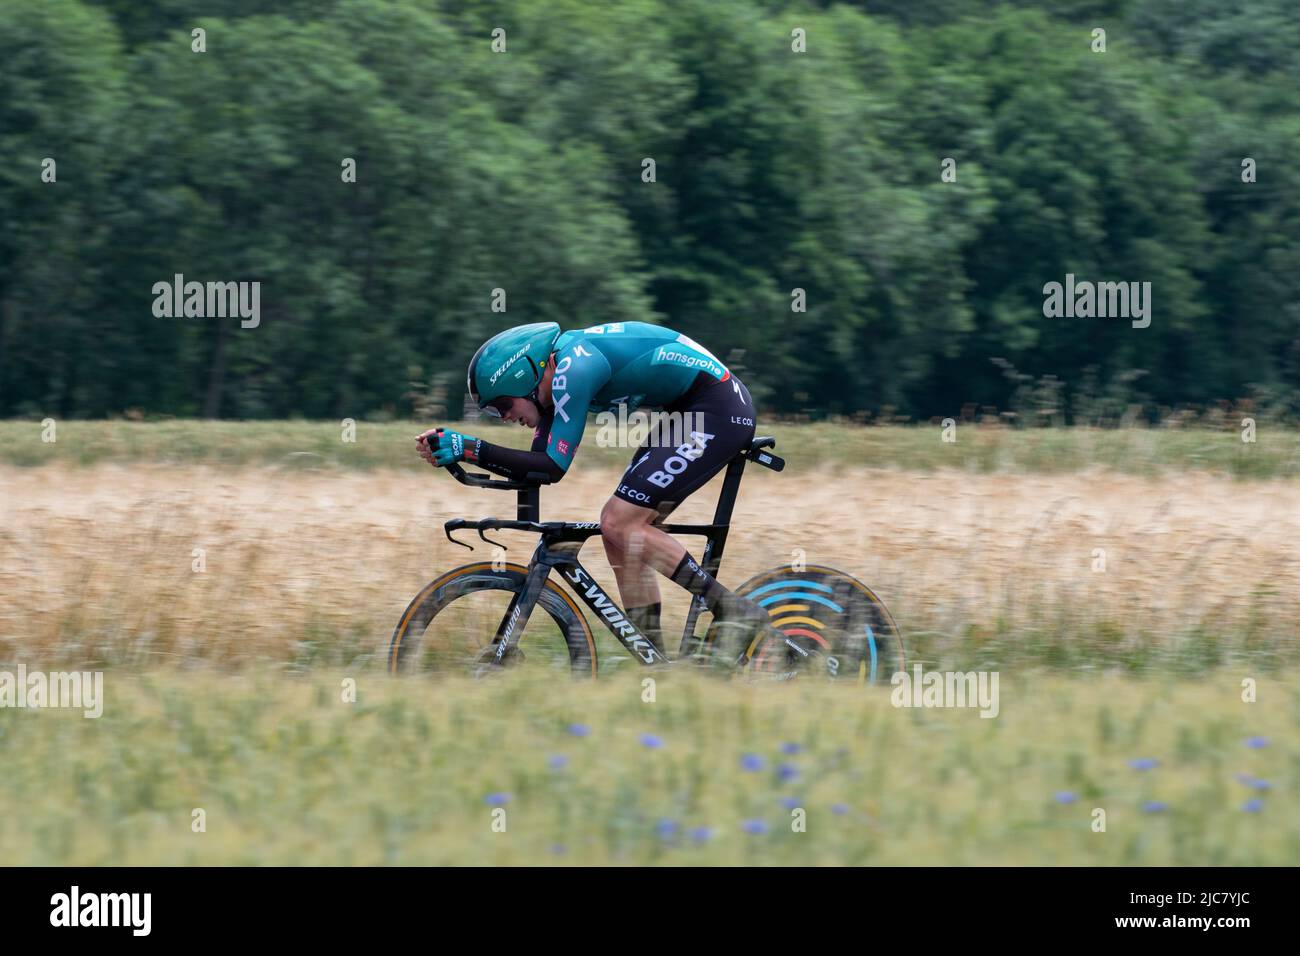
x=562 y=540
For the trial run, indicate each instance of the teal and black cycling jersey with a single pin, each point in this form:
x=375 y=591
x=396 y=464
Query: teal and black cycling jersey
x=632 y=364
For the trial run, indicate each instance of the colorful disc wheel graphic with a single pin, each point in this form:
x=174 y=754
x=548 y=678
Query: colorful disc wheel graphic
x=832 y=624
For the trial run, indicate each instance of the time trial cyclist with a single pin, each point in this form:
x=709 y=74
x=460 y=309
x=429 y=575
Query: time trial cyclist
x=548 y=380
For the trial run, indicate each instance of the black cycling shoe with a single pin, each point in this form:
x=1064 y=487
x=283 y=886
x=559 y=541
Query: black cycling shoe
x=739 y=624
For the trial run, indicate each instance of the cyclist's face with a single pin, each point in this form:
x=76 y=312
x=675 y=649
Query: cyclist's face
x=520 y=410
x=525 y=411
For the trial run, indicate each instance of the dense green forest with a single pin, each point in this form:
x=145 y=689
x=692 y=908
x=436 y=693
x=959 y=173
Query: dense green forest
x=795 y=146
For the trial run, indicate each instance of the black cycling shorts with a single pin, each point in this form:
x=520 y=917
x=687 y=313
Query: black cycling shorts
x=688 y=443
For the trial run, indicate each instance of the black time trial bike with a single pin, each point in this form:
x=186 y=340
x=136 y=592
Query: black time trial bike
x=820 y=621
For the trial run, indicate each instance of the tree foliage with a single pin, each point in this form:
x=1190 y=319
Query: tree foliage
x=522 y=170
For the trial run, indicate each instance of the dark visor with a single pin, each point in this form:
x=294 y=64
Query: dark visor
x=498 y=406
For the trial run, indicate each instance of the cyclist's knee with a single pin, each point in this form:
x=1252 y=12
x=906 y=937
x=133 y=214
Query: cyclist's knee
x=619 y=521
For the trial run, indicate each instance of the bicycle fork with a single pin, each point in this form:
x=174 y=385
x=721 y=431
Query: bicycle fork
x=520 y=609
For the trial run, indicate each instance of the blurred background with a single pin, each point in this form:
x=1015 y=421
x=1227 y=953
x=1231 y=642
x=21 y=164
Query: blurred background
x=775 y=170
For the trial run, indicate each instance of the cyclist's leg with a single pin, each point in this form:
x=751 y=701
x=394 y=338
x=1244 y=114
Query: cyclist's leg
x=683 y=452
x=623 y=532
x=625 y=522
x=624 y=528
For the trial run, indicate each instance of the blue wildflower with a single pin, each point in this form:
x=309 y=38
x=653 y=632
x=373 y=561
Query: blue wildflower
x=666 y=829
x=1065 y=796
x=1256 y=743
x=839 y=809
x=557 y=761
x=652 y=741
x=1253 y=805
x=1155 y=806
x=1143 y=763
x=756 y=827
x=1255 y=783
x=752 y=763
x=791 y=803
x=579 y=730
x=791 y=748
x=787 y=772
x=496 y=799
x=702 y=834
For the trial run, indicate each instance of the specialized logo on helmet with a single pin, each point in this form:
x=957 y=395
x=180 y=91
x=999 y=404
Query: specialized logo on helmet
x=509 y=362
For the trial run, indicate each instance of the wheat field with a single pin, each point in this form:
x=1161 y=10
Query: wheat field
x=147 y=564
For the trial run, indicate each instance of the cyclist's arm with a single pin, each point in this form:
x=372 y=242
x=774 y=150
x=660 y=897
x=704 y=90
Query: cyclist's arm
x=516 y=463
x=580 y=373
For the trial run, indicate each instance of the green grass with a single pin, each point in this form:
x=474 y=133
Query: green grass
x=310 y=445
x=287 y=773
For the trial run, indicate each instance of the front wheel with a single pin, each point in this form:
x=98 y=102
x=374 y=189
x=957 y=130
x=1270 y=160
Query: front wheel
x=450 y=626
x=832 y=624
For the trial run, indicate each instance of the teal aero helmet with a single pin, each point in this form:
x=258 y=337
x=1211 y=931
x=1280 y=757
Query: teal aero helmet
x=510 y=364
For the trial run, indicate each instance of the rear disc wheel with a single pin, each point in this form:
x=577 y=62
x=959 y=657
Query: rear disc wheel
x=826 y=623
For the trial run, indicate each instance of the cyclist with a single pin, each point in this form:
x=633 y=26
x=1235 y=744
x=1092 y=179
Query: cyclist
x=547 y=380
